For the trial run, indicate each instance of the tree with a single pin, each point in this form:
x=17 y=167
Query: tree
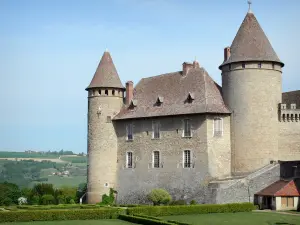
x=9 y=193
x=159 y=196
x=47 y=199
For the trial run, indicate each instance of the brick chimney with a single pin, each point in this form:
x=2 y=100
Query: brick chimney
x=226 y=53
x=129 y=92
x=186 y=67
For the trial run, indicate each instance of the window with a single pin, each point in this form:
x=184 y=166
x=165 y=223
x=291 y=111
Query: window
x=259 y=65
x=106 y=92
x=129 y=130
x=155 y=127
x=218 y=127
x=99 y=91
x=287 y=202
x=273 y=65
x=108 y=119
x=113 y=92
x=187 y=128
x=156 y=159
x=243 y=65
x=129 y=160
x=186 y=158
x=229 y=66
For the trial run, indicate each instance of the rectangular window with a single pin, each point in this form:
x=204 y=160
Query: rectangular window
x=129 y=130
x=129 y=160
x=218 y=127
x=187 y=128
x=156 y=159
x=187 y=159
x=155 y=127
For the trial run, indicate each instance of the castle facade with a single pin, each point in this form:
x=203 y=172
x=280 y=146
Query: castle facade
x=183 y=132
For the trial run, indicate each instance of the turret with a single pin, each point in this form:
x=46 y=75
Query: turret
x=105 y=99
x=251 y=86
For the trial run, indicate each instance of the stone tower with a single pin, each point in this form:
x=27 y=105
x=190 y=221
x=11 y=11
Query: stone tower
x=251 y=85
x=105 y=99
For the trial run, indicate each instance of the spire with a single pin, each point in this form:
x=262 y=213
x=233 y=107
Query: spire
x=106 y=74
x=249 y=3
x=251 y=43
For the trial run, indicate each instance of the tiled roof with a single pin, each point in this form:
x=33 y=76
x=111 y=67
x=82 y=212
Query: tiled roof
x=291 y=97
x=106 y=74
x=251 y=44
x=280 y=188
x=174 y=89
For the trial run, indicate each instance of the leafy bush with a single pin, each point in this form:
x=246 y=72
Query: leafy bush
x=193 y=202
x=7 y=201
x=143 y=220
x=22 y=201
x=191 y=209
x=47 y=199
x=178 y=202
x=108 y=200
x=72 y=201
x=49 y=215
x=9 y=193
x=61 y=199
x=35 y=200
x=159 y=196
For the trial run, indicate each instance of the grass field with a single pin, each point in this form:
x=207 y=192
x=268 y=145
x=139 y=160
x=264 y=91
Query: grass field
x=76 y=159
x=65 y=181
x=4 y=154
x=72 y=222
x=247 y=218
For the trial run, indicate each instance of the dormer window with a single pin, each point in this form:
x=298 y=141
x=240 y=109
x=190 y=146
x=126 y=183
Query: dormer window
x=132 y=104
x=190 y=97
x=159 y=100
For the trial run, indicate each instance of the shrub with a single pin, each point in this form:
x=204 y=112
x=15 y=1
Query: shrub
x=191 y=209
x=22 y=201
x=108 y=200
x=143 y=220
x=7 y=201
x=159 y=196
x=72 y=201
x=178 y=202
x=61 y=199
x=35 y=200
x=193 y=202
x=47 y=199
x=49 y=215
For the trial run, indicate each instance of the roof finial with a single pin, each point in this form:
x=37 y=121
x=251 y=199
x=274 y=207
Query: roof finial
x=249 y=3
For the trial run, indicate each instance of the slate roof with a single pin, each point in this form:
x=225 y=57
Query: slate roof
x=290 y=98
x=251 y=44
x=106 y=74
x=175 y=88
x=280 y=188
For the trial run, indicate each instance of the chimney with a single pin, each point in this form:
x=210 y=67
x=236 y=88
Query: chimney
x=186 y=67
x=226 y=53
x=129 y=92
x=196 y=64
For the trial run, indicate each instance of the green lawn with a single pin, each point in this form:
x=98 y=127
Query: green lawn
x=244 y=218
x=72 y=222
x=58 y=181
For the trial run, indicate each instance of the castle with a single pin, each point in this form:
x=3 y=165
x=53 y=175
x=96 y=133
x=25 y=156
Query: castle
x=183 y=132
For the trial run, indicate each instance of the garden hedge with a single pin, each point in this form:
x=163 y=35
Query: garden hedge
x=61 y=214
x=157 y=218
x=191 y=209
x=63 y=206
x=143 y=220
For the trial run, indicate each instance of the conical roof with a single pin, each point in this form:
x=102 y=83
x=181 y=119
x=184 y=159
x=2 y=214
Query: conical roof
x=251 y=44
x=106 y=74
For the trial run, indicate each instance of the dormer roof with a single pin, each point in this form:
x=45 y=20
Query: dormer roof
x=251 y=44
x=106 y=75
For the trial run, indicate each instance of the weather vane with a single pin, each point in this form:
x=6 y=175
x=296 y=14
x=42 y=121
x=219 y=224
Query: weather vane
x=249 y=3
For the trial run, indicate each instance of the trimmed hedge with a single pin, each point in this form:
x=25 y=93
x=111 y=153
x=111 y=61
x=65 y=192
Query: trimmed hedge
x=50 y=215
x=64 y=206
x=191 y=209
x=143 y=220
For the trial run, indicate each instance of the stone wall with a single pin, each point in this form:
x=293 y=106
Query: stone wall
x=183 y=183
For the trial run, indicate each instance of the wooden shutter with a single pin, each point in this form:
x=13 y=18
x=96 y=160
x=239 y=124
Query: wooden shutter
x=283 y=202
x=290 y=202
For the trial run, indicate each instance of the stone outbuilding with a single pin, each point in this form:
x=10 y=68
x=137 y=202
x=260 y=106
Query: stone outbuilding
x=281 y=195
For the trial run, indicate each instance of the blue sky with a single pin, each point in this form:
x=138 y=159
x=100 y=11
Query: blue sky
x=49 y=51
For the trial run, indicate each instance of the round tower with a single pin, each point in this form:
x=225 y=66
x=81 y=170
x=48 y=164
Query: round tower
x=251 y=85
x=105 y=99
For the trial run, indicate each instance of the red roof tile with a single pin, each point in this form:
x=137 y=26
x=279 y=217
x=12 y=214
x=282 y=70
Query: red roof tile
x=280 y=188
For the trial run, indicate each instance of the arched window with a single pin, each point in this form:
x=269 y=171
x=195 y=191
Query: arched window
x=106 y=92
x=113 y=92
x=99 y=91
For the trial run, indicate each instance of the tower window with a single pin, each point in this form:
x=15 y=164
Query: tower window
x=273 y=65
x=99 y=91
x=108 y=119
x=129 y=130
x=106 y=92
x=129 y=160
x=229 y=66
x=187 y=128
x=218 y=127
x=259 y=65
x=156 y=159
x=155 y=127
x=186 y=158
x=243 y=65
x=113 y=92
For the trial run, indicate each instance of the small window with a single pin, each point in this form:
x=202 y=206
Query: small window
x=243 y=65
x=229 y=67
x=187 y=128
x=156 y=159
x=218 y=127
x=129 y=160
x=99 y=91
x=129 y=130
x=94 y=92
x=273 y=65
x=108 y=119
x=113 y=92
x=106 y=92
x=259 y=65
x=186 y=158
x=156 y=131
